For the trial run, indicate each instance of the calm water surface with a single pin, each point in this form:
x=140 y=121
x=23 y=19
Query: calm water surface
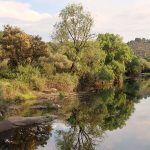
x=112 y=119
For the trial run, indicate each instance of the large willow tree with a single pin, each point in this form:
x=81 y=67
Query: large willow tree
x=74 y=27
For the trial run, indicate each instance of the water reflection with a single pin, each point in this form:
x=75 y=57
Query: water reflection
x=27 y=138
x=89 y=118
x=107 y=110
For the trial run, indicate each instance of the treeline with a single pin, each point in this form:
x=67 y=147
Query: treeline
x=71 y=61
x=141 y=47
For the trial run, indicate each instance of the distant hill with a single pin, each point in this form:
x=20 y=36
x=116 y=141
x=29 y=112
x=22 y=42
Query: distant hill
x=141 y=47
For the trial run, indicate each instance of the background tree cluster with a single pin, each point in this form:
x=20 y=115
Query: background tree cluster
x=141 y=47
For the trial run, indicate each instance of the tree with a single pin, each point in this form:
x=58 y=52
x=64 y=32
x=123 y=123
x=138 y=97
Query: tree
x=74 y=27
x=38 y=48
x=91 y=59
x=115 y=48
x=118 y=54
x=21 y=48
x=16 y=44
x=135 y=67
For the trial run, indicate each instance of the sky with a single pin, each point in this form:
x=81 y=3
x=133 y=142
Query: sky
x=128 y=18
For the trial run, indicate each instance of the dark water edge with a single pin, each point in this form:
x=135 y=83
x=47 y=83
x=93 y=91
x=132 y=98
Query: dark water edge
x=110 y=119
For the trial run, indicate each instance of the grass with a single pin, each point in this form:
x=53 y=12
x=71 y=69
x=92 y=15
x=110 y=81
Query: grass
x=15 y=90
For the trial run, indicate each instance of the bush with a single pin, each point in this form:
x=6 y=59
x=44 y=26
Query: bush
x=134 y=67
x=5 y=71
x=61 y=62
x=105 y=78
x=91 y=59
x=10 y=90
x=119 y=70
x=47 y=69
x=106 y=73
x=24 y=73
x=37 y=83
x=86 y=81
x=32 y=76
x=145 y=64
x=63 y=82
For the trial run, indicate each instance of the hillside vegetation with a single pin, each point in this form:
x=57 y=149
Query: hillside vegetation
x=141 y=47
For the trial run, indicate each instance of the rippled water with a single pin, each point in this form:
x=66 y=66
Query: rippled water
x=112 y=119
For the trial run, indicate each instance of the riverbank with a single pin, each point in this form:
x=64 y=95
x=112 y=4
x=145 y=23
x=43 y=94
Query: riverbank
x=54 y=103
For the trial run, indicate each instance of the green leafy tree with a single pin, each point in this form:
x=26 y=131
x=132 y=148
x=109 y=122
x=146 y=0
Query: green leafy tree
x=118 y=54
x=119 y=70
x=106 y=73
x=134 y=68
x=91 y=59
x=105 y=77
x=115 y=48
x=74 y=27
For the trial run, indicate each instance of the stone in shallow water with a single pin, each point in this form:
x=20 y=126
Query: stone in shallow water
x=39 y=107
x=15 y=122
x=6 y=125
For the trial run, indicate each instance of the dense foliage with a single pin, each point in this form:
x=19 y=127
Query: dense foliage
x=71 y=61
x=20 y=47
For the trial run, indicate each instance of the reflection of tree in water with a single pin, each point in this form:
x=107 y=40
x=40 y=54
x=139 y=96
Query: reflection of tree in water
x=132 y=88
x=26 y=138
x=137 y=89
x=107 y=110
x=75 y=139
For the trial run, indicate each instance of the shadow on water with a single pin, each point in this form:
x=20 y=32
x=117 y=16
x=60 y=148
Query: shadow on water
x=88 y=117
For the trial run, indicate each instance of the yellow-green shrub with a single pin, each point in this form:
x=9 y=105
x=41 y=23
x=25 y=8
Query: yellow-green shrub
x=32 y=76
x=47 y=69
x=63 y=82
x=10 y=90
x=5 y=71
x=37 y=83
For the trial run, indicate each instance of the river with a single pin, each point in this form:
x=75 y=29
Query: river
x=109 y=119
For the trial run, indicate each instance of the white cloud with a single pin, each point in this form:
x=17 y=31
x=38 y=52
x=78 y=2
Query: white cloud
x=20 y=11
x=22 y=15
x=128 y=18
